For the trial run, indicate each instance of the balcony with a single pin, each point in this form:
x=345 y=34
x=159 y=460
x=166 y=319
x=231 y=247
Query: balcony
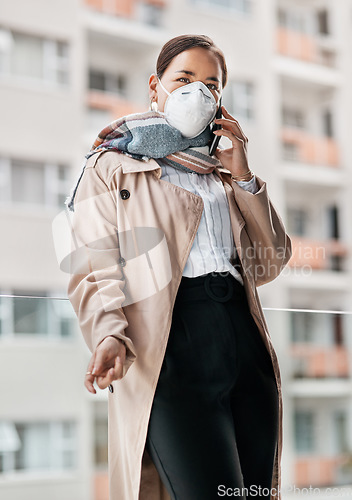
x=304 y=47
x=102 y=109
x=127 y=20
x=307 y=58
x=114 y=105
x=312 y=361
x=123 y=8
x=317 y=254
x=301 y=147
x=322 y=471
x=126 y=8
x=101 y=485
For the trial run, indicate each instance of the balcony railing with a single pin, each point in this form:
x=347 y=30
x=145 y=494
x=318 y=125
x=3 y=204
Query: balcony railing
x=31 y=324
x=321 y=471
x=317 y=254
x=312 y=361
x=300 y=146
x=123 y=8
x=146 y=11
x=116 y=106
x=101 y=485
x=304 y=47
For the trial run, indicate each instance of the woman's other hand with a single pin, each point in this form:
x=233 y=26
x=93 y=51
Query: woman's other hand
x=106 y=364
x=234 y=158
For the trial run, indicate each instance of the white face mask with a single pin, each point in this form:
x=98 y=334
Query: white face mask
x=190 y=108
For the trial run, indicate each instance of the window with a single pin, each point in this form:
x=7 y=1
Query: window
x=5 y=176
x=290 y=151
x=243 y=6
x=37 y=446
x=297 y=221
x=28 y=314
x=333 y=231
x=282 y=17
x=28 y=185
x=239 y=99
x=289 y=19
x=33 y=57
x=333 y=222
x=323 y=22
x=340 y=432
x=338 y=329
x=328 y=129
x=150 y=13
x=101 y=435
x=107 y=82
x=301 y=327
x=304 y=431
x=33 y=183
x=63 y=318
x=293 y=118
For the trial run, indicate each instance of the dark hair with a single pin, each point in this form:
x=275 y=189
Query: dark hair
x=181 y=43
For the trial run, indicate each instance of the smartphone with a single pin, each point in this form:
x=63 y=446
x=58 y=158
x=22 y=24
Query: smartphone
x=214 y=141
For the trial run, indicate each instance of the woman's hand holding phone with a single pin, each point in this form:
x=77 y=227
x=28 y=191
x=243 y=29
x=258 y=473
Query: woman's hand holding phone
x=215 y=138
x=235 y=157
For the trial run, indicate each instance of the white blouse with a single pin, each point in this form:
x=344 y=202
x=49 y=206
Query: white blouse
x=213 y=248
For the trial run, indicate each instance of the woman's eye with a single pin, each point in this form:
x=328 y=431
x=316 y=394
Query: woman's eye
x=183 y=79
x=212 y=86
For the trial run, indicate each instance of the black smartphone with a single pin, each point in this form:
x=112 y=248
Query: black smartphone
x=214 y=141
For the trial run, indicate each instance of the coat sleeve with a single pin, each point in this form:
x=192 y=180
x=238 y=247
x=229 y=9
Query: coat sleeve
x=265 y=246
x=96 y=283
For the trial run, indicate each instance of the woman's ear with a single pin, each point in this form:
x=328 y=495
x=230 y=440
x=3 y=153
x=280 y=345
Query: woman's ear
x=153 y=82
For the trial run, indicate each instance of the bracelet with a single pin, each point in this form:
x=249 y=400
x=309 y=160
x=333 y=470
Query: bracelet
x=240 y=177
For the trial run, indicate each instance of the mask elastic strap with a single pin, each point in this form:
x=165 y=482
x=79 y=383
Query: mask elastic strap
x=162 y=86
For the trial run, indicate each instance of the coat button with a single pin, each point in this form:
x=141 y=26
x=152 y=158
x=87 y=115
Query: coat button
x=125 y=194
x=122 y=262
x=111 y=389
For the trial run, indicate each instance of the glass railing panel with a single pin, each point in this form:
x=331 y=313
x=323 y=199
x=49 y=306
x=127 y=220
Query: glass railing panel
x=43 y=353
x=315 y=354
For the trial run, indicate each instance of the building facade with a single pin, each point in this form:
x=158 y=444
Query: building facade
x=66 y=70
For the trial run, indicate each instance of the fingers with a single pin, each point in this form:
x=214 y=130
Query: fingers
x=230 y=123
x=106 y=353
x=219 y=152
x=89 y=378
x=106 y=364
x=114 y=373
x=230 y=135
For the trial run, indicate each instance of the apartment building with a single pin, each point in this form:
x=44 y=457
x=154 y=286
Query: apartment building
x=313 y=68
x=66 y=70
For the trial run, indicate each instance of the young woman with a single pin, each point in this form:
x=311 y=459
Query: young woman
x=170 y=244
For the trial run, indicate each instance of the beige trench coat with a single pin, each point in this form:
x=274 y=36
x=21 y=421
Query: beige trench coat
x=131 y=236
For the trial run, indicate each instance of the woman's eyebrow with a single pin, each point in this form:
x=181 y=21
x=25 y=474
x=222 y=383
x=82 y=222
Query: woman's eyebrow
x=187 y=72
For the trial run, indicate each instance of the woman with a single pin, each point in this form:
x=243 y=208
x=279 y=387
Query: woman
x=169 y=246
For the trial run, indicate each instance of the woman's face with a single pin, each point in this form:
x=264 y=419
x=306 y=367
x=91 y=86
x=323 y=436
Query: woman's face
x=192 y=65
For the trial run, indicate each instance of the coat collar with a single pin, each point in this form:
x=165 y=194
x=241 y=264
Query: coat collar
x=130 y=165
